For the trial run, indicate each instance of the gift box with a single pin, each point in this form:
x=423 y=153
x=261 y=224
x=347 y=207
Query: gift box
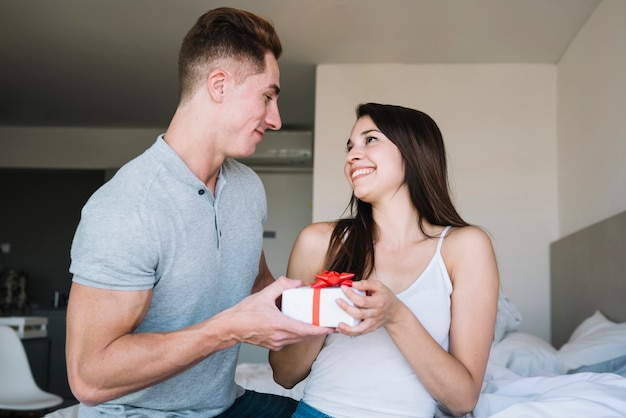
x=316 y=304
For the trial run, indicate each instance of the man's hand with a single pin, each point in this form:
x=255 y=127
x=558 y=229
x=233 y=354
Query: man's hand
x=257 y=320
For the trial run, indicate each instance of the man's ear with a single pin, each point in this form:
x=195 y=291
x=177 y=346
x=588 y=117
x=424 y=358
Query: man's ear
x=217 y=83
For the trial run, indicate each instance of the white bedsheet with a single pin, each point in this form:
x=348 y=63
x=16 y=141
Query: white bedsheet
x=507 y=394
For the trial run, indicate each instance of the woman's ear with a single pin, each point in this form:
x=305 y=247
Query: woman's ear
x=216 y=84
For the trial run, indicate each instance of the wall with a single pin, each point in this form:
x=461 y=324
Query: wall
x=499 y=124
x=38 y=216
x=592 y=122
x=289 y=209
x=64 y=166
x=46 y=176
x=61 y=147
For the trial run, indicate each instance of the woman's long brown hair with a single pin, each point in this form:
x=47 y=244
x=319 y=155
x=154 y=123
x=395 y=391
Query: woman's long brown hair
x=417 y=136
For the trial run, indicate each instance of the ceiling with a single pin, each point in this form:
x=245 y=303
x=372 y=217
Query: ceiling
x=112 y=63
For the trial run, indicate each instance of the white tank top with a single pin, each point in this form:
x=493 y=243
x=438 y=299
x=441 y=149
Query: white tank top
x=367 y=376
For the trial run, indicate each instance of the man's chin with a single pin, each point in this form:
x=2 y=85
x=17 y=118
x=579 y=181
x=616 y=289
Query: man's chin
x=246 y=154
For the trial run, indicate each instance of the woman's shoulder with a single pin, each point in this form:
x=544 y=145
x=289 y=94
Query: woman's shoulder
x=467 y=246
x=314 y=238
x=467 y=240
x=309 y=251
x=317 y=231
x=469 y=232
x=470 y=260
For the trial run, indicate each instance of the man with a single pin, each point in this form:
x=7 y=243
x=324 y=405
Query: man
x=168 y=252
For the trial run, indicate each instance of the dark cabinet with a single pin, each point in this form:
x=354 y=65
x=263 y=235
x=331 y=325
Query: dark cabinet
x=38 y=353
x=57 y=382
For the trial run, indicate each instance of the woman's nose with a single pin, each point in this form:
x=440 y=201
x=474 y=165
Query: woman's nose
x=354 y=154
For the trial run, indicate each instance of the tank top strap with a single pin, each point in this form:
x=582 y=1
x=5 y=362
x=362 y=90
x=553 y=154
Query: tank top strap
x=443 y=234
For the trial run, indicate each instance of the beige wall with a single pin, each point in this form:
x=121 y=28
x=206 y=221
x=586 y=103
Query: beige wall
x=499 y=124
x=68 y=147
x=503 y=134
x=536 y=152
x=592 y=121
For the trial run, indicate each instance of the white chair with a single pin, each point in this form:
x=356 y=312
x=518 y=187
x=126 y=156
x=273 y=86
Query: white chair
x=18 y=389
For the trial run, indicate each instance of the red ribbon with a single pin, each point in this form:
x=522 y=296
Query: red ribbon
x=332 y=279
x=327 y=279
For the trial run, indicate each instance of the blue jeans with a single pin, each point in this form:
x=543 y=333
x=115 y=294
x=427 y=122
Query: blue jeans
x=306 y=411
x=260 y=405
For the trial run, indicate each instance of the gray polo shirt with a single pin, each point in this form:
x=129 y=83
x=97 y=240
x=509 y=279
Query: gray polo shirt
x=156 y=226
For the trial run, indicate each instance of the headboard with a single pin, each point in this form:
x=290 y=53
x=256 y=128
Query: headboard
x=588 y=273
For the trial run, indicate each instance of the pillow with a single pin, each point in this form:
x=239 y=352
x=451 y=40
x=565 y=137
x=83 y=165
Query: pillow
x=594 y=323
x=595 y=340
x=525 y=354
x=508 y=318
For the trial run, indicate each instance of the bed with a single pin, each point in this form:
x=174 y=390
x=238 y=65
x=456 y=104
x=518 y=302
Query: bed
x=581 y=373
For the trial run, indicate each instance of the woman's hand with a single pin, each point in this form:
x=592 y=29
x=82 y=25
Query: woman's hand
x=380 y=307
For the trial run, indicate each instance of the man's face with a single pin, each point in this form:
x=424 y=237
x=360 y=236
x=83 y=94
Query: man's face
x=253 y=108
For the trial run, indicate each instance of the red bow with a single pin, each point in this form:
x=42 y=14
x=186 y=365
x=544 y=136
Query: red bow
x=327 y=279
x=331 y=279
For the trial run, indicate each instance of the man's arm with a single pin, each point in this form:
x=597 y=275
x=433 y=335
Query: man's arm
x=264 y=278
x=106 y=360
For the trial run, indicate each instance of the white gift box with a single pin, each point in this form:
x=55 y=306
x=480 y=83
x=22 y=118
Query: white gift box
x=299 y=304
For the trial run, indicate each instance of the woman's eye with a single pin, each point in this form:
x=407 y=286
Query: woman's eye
x=370 y=139
x=349 y=146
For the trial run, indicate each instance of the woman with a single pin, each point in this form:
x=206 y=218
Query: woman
x=428 y=320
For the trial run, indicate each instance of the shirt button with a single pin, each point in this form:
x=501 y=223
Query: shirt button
x=201 y=192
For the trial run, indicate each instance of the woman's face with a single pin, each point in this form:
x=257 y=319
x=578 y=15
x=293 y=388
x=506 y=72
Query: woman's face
x=374 y=166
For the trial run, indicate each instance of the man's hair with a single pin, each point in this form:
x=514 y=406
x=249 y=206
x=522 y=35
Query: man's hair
x=220 y=35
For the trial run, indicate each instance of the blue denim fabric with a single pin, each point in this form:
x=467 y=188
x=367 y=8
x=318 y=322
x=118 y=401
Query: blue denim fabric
x=306 y=411
x=260 y=405
x=616 y=365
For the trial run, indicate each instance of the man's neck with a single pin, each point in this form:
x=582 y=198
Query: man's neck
x=196 y=148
